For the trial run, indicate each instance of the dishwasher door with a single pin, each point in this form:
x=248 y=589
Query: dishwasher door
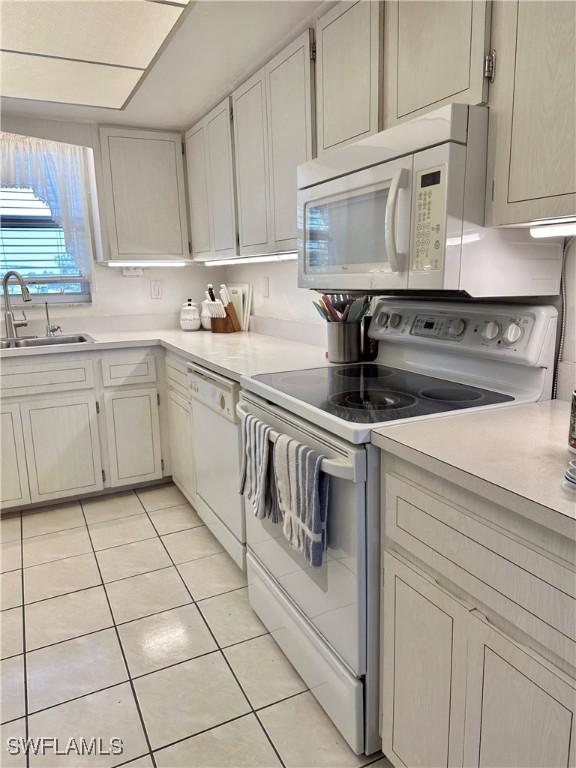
x=216 y=446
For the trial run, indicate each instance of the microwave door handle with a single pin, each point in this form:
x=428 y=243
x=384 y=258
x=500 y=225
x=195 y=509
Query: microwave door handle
x=399 y=181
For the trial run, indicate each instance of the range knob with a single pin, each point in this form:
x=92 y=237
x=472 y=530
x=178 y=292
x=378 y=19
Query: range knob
x=490 y=330
x=512 y=333
x=456 y=327
x=395 y=320
x=382 y=319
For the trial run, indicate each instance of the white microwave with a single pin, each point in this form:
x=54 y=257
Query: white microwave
x=403 y=210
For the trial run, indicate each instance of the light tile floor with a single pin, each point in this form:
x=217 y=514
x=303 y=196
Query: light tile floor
x=123 y=617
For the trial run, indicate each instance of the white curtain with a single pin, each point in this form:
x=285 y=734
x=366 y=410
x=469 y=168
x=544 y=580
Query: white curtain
x=57 y=173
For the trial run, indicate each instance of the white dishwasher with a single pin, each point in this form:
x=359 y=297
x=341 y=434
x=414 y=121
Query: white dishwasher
x=216 y=446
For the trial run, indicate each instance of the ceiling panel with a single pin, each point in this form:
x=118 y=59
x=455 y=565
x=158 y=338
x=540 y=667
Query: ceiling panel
x=125 y=32
x=216 y=45
x=73 y=82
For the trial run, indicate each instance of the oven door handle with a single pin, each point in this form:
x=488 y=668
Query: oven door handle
x=344 y=470
x=400 y=181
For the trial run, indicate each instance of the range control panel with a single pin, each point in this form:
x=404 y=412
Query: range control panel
x=497 y=331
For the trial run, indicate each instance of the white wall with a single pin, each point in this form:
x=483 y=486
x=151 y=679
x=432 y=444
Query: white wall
x=287 y=311
x=114 y=294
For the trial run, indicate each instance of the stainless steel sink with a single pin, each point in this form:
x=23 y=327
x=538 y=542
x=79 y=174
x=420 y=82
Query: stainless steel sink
x=46 y=341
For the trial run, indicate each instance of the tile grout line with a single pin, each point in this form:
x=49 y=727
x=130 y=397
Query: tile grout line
x=267 y=735
x=219 y=649
x=114 y=546
x=24 y=651
x=139 y=710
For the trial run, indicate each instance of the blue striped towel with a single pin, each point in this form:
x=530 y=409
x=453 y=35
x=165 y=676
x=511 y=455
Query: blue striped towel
x=256 y=476
x=302 y=496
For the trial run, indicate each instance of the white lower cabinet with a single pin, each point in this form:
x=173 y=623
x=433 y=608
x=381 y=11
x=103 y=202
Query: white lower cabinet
x=423 y=670
x=14 y=489
x=133 y=431
x=456 y=691
x=181 y=456
x=520 y=711
x=62 y=446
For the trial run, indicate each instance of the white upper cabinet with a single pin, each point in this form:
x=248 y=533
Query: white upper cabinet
x=250 y=139
x=196 y=172
x=532 y=150
x=273 y=135
x=347 y=71
x=290 y=134
x=144 y=195
x=210 y=169
x=433 y=54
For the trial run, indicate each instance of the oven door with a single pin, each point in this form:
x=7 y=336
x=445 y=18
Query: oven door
x=354 y=231
x=332 y=598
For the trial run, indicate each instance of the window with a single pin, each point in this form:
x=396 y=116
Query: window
x=46 y=199
x=32 y=243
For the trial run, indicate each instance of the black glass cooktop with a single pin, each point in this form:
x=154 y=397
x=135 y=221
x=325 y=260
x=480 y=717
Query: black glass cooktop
x=370 y=393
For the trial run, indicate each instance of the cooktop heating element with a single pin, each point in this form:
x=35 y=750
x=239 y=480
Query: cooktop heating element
x=371 y=393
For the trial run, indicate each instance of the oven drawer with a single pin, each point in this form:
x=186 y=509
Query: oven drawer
x=337 y=690
x=516 y=581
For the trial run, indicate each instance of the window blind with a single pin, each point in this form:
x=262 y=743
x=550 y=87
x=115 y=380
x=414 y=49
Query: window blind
x=32 y=243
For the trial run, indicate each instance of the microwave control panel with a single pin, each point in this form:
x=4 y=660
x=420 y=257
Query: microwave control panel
x=429 y=220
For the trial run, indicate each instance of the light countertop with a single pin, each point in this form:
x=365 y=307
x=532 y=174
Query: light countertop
x=515 y=455
x=231 y=354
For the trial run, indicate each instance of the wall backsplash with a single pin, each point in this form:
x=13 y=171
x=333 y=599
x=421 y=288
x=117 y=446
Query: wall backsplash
x=287 y=310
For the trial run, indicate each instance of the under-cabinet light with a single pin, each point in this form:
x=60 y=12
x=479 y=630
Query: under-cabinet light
x=259 y=259
x=560 y=229
x=143 y=264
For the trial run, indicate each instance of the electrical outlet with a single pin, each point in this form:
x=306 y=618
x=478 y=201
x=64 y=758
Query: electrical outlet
x=266 y=287
x=155 y=289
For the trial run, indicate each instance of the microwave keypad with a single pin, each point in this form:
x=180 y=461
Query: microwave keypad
x=428 y=235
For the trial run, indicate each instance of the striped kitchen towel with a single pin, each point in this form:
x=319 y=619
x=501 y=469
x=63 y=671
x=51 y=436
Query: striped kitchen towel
x=256 y=476
x=302 y=496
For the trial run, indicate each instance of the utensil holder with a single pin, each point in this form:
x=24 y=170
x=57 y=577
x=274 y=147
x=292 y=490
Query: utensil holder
x=228 y=324
x=343 y=342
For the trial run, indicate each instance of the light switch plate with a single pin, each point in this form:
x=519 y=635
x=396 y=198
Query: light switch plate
x=155 y=289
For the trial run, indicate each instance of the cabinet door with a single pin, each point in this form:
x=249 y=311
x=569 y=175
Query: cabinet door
x=423 y=670
x=133 y=428
x=532 y=152
x=197 y=174
x=181 y=455
x=14 y=488
x=347 y=71
x=289 y=98
x=250 y=141
x=144 y=194
x=519 y=711
x=221 y=180
x=434 y=54
x=62 y=446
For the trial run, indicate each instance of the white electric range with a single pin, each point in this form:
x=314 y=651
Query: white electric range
x=433 y=359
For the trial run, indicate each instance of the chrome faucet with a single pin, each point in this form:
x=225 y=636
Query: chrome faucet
x=51 y=330
x=11 y=324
